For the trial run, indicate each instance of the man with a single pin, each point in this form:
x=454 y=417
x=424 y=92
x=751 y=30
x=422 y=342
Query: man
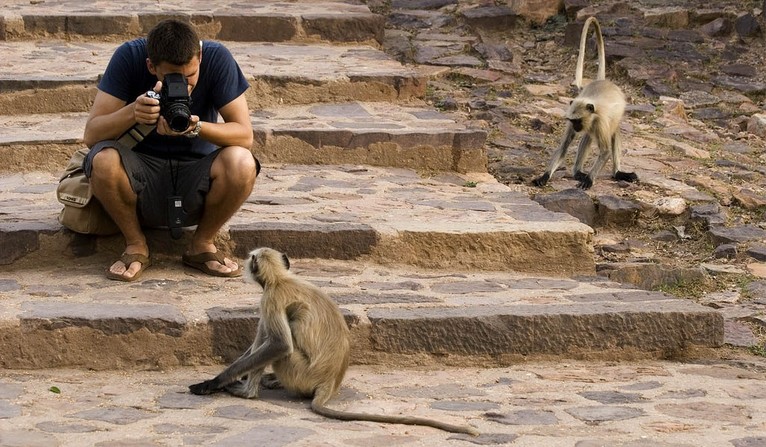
x=208 y=165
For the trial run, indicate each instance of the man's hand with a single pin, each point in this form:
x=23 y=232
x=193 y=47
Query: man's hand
x=146 y=110
x=163 y=128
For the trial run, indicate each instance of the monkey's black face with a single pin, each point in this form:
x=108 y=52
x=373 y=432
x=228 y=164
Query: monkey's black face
x=253 y=269
x=576 y=124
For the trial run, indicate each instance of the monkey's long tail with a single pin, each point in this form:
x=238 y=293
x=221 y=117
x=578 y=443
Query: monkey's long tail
x=581 y=56
x=406 y=420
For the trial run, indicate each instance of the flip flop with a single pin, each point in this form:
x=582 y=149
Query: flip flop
x=198 y=262
x=128 y=259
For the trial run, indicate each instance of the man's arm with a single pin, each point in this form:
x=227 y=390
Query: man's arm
x=110 y=116
x=236 y=130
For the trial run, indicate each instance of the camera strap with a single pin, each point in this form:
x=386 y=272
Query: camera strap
x=173 y=175
x=135 y=135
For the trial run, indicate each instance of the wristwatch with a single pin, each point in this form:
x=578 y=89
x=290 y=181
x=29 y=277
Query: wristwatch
x=194 y=132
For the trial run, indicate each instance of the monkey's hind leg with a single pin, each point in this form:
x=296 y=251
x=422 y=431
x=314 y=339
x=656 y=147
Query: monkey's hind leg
x=558 y=157
x=250 y=364
x=617 y=174
x=246 y=388
x=270 y=381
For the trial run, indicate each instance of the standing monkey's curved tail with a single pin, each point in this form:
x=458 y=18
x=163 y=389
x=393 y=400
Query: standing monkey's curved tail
x=581 y=56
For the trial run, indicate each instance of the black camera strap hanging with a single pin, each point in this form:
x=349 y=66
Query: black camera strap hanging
x=175 y=203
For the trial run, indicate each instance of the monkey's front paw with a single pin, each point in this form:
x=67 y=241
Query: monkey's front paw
x=585 y=183
x=580 y=176
x=202 y=388
x=542 y=180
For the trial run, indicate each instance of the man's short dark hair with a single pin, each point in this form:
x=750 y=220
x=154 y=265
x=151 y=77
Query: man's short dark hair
x=172 y=41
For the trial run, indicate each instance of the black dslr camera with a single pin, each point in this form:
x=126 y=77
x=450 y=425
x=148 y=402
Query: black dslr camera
x=174 y=101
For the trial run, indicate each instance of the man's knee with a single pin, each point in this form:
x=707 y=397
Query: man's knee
x=236 y=164
x=106 y=163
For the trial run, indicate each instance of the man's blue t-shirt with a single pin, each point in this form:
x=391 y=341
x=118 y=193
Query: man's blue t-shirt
x=220 y=82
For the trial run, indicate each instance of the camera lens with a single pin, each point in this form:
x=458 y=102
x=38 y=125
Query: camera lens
x=178 y=117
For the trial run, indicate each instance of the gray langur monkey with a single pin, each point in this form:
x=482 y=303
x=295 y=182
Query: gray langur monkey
x=597 y=112
x=303 y=336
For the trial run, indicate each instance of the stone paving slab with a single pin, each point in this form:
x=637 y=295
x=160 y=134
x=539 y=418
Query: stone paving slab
x=65 y=313
x=254 y=20
x=389 y=215
x=378 y=134
x=556 y=404
x=53 y=76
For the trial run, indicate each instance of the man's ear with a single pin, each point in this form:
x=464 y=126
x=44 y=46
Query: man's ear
x=150 y=66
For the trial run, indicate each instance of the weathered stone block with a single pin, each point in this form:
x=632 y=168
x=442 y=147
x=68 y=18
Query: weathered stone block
x=260 y=28
x=352 y=28
x=315 y=240
x=667 y=17
x=652 y=276
x=233 y=330
x=526 y=330
x=101 y=25
x=111 y=319
x=573 y=201
x=743 y=233
x=747 y=25
x=491 y=17
x=613 y=211
x=17 y=243
x=41 y=24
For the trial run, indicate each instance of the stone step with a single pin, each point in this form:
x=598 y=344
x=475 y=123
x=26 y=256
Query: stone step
x=386 y=215
x=252 y=21
x=377 y=134
x=64 y=313
x=55 y=76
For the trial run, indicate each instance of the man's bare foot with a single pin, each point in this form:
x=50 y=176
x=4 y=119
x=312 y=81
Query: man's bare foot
x=123 y=272
x=205 y=257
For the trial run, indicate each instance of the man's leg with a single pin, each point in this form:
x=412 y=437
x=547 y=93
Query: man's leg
x=111 y=187
x=232 y=177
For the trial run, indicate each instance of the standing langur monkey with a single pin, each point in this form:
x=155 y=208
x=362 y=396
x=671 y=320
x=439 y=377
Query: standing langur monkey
x=303 y=336
x=597 y=112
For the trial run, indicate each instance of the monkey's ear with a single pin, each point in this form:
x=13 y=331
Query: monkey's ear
x=591 y=108
x=285 y=261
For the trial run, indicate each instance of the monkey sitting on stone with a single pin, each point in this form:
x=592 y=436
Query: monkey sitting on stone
x=303 y=336
x=597 y=112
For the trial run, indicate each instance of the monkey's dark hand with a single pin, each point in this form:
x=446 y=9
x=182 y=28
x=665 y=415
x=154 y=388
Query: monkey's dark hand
x=206 y=387
x=542 y=180
x=580 y=176
x=585 y=183
x=626 y=176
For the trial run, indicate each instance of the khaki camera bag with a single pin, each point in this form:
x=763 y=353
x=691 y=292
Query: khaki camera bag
x=82 y=212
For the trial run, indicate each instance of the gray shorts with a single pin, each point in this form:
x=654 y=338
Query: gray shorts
x=155 y=179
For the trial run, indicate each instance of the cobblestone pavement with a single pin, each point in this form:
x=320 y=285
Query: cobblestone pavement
x=719 y=403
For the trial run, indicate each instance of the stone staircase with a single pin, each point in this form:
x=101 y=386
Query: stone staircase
x=376 y=196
